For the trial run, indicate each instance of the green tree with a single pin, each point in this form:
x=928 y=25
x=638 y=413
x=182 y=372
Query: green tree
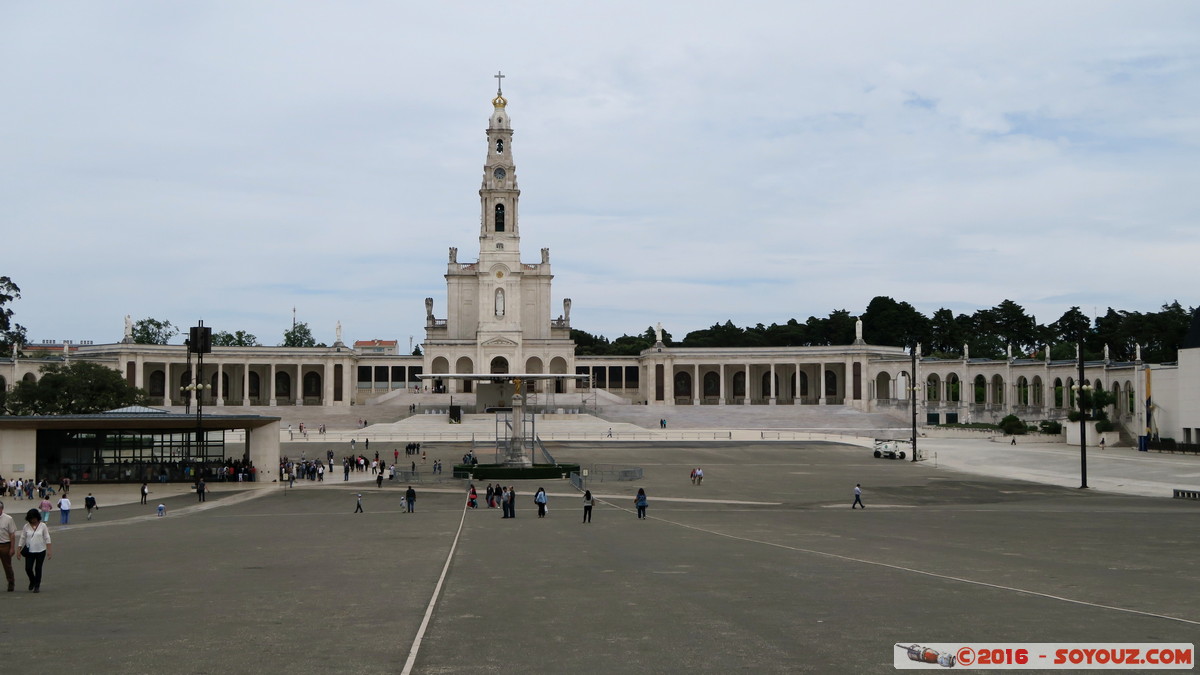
x=236 y=339
x=946 y=335
x=1013 y=326
x=791 y=334
x=895 y=324
x=1164 y=332
x=10 y=333
x=719 y=335
x=417 y=351
x=1071 y=327
x=587 y=344
x=983 y=335
x=299 y=335
x=839 y=327
x=151 y=331
x=77 y=388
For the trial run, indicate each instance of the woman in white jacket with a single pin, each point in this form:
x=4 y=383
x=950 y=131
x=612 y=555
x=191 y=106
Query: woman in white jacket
x=36 y=547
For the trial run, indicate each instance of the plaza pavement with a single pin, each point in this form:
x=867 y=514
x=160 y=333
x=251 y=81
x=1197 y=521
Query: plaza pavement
x=268 y=579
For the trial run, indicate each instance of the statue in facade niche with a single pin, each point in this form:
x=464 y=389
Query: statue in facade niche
x=499 y=302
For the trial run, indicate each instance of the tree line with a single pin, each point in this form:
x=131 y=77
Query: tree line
x=986 y=333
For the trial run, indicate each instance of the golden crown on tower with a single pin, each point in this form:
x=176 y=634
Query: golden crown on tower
x=499 y=101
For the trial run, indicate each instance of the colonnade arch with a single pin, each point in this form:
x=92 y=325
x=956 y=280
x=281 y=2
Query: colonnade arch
x=157 y=384
x=558 y=366
x=311 y=385
x=683 y=384
x=464 y=364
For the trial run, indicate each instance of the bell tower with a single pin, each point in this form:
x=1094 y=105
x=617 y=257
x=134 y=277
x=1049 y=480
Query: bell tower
x=498 y=309
x=498 y=195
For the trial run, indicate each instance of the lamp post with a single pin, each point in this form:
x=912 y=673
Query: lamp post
x=912 y=399
x=1082 y=390
x=199 y=343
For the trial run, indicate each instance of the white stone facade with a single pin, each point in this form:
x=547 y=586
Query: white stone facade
x=498 y=316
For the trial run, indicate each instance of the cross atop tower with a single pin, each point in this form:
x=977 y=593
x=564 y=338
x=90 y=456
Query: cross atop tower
x=499 y=76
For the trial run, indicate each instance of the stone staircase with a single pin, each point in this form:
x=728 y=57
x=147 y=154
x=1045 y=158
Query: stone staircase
x=833 y=417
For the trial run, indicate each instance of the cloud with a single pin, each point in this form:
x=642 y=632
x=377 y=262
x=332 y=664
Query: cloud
x=684 y=164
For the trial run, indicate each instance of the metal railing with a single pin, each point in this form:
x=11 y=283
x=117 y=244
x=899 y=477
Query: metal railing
x=606 y=472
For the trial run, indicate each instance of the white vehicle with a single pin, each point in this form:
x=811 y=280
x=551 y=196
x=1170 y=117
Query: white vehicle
x=888 y=448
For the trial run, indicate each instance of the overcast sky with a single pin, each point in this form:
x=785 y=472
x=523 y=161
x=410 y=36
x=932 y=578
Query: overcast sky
x=685 y=162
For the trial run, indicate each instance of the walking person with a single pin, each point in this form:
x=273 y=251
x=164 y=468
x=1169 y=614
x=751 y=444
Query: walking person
x=539 y=498
x=36 y=547
x=64 y=510
x=472 y=497
x=145 y=491
x=45 y=507
x=699 y=476
x=640 y=503
x=358 y=505
x=89 y=503
x=201 y=488
x=410 y=499
x=858 y=496
x=379 y=480
x=8 y=546
x=587 y=506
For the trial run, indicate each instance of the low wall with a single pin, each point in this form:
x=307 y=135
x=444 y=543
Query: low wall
x=1111 y=438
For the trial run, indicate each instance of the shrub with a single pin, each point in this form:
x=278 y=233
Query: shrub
x=1050 y=426
x=1105 y=425
x=1012 y=425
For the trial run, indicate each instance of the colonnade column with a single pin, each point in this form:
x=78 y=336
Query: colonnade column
x=669 y=385
x=271 y=385
x=326 y=383
x=721 y=379
x=773 y=392
x=697 y=385
x=748 y=390
x=821 y=383
x=246 y=382
x=220 y=384
x=848 y=382
x=796 y=385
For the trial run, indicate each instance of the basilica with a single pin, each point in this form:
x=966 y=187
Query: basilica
x=500 y=316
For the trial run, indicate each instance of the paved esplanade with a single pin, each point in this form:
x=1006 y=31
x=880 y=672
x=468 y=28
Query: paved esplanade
x=272 y=582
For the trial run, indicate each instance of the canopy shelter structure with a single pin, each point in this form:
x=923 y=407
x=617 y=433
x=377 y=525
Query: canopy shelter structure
x=139 y=444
